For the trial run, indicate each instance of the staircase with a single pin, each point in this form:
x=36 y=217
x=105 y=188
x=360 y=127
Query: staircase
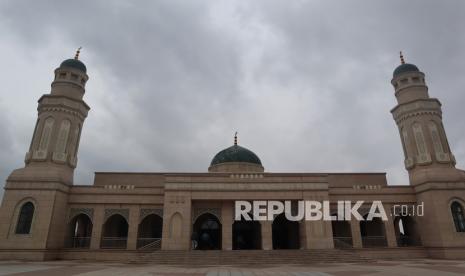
x=250 y=257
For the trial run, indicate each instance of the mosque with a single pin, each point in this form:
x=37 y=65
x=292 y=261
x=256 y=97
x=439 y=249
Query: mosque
x=45 y=216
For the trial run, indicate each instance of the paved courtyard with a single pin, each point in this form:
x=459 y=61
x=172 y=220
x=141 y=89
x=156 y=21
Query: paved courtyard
x=422 y=267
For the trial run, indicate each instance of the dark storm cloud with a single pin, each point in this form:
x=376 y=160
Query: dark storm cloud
x=306 y=84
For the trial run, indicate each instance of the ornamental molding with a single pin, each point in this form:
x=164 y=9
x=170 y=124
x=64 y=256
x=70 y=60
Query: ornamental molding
x=145 y=212
x=79 y=115
x=431 y=104
x=78 y=211
x=200 y=211
x=111 y=212
x=404 y=117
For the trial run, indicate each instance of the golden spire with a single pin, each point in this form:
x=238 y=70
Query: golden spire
x=77 y=53
x=235 y=139
x=402 y=61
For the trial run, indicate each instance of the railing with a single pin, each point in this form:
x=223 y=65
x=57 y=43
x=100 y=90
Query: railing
x=79 y=242
x=113 y=242
x=374 y=241
x=343 y=242
x=408 y=241
x=149 y=243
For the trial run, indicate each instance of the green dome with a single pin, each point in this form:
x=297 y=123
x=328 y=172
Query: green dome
x=235 y=154
x=74 y=63
x=406 y=67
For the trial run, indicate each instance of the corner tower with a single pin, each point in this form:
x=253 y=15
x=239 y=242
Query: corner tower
x=53 y=150
x=35 y=203
x=428 y=156
x=436 y=182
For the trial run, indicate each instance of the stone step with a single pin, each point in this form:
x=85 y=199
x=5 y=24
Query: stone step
x=246 y=257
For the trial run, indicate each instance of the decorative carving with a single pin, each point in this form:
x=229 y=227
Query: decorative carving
x=441 y=155
x=111 y=212
x=34 y=139
x=406 y=143
x=200 y=211
x=177 y=199
x=409 y=163
x=63 y=110
x=76 y=211
x=41 y=152
x=63 y=134
x=74 y=141
x=404 y=117
x=146 y=212
x=423 y=156
x=176 y=226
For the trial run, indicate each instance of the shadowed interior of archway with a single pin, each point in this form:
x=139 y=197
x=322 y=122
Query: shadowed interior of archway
x=207 y=232
x=247 y=235
x=80 y=232
x=285 y=233
x=150 y=231
x=115 y=232
x=372 y=232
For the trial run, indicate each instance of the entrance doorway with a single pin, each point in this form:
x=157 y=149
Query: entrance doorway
x=207 y=232
x=115 y=232
x=80 y=231
x=342 y=234
x=149 y=232
x=247 y=235
x=406 y=231
x=372 y=232
x=285 y=233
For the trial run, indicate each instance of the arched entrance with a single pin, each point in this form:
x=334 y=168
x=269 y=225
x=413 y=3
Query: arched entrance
x=285 y=233
x=342 y=234
x=80 y=231
x=207 y=232
x=372 y=232
x=406 y=232
x=115 y=232
x=149 y=232
x=247 y=235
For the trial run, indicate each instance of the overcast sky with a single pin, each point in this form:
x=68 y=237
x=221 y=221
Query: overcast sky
x=305 y=83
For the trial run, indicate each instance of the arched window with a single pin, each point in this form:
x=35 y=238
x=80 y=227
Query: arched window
x=25 y=218
x=458 y=216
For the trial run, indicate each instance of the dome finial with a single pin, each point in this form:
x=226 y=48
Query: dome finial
x=402 y=61
x=76 y=57
x=235 y=138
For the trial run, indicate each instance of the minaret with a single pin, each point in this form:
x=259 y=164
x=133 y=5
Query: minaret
x=53 y=150
x=428 y=156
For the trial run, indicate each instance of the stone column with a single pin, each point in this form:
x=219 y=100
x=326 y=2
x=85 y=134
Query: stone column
x=97 y=224
x=303 y=238
x=267 y=235
x=226 y=224
x=318 y=234
x=356 y=234
x=177 y=224
x=133 y=227
x=390 y=232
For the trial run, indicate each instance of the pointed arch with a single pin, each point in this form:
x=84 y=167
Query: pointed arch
x=46 y=134
x=25 y=217
x=419 y=139
x=62 y=140
x=149 y=231
x=207 y=230
x=80 y=231
x=115 y=232
x=458 y=215
x=176 y=226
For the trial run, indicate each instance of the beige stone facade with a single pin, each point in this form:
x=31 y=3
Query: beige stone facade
x=45 y=216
